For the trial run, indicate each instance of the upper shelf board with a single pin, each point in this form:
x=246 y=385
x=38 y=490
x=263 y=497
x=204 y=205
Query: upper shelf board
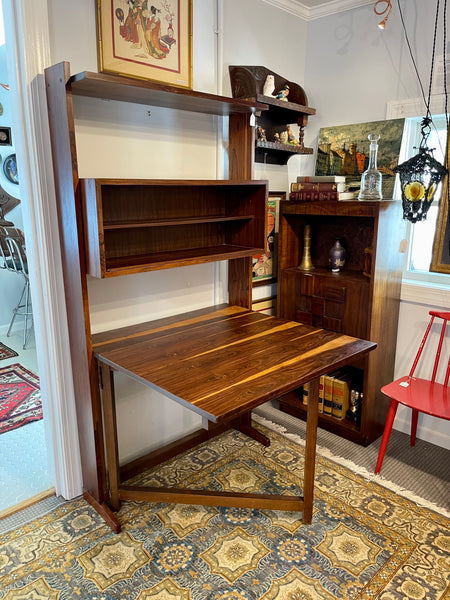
x=126 y=89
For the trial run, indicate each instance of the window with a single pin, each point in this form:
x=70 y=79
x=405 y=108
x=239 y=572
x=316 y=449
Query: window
x=421 y=234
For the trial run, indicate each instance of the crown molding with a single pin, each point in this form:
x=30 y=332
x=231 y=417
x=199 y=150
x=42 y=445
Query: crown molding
x=298 y=9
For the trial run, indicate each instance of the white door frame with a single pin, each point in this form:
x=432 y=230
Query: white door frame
x=28 y=53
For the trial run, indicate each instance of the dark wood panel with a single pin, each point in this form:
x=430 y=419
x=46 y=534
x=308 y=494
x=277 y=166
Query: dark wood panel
x=62 y=133
x=126 y=89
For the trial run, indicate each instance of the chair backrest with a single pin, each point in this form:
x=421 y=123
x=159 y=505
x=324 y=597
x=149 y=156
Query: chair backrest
x=12 y=250
x=445 y=316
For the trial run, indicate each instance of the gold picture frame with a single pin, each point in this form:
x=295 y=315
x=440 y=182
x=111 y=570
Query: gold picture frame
x=440 y=258
x=146 y=39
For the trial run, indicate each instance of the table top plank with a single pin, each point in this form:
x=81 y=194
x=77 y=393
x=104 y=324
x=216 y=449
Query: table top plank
x=223 y=361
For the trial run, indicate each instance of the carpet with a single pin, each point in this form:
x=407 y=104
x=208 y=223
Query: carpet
x=364 y=541
x=20 y=397
x=6 y=352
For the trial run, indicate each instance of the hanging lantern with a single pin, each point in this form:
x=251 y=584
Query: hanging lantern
x=419 y=179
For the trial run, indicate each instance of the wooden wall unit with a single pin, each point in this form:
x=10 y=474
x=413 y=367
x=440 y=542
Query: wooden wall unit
x=227 y=222
x=348 y=302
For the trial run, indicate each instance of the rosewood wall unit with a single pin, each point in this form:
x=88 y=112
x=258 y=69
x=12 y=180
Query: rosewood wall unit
x=248 y=82
x=199 y=222
x=348 y=302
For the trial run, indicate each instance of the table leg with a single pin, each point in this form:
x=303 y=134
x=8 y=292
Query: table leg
x=310 y=450
x=110 y=428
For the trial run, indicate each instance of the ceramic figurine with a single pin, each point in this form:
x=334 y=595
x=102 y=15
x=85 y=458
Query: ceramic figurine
x=283 y=94
x=276 y=137
x=284 y=137
x=291 y=137
x=261 y=134
x=269 y=86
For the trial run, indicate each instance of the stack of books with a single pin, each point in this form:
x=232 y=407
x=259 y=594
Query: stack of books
x=320 y=187
x=334 y=394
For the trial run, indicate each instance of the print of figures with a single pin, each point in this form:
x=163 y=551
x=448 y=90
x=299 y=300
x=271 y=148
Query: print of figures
x=143 y=26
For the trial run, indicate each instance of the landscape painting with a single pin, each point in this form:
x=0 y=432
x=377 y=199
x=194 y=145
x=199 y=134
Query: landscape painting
x=344 y=150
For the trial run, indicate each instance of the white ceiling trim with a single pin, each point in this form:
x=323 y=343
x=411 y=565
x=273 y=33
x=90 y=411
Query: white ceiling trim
x=298 y=9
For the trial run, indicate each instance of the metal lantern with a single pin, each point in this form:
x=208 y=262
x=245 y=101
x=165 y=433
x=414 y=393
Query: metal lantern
x=419 y=178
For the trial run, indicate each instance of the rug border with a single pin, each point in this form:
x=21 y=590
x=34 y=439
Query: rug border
x=362 y=471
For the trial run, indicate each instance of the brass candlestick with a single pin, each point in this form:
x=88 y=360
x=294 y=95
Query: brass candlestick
x=306 y=264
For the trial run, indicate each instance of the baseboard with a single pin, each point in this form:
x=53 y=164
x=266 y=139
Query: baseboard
x=426 y=430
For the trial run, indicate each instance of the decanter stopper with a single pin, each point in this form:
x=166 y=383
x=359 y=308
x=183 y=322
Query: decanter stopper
x=371 y=178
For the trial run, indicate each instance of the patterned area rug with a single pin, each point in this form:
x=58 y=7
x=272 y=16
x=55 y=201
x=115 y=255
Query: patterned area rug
x=365 y=541
x=20 y=397
x=6 y=352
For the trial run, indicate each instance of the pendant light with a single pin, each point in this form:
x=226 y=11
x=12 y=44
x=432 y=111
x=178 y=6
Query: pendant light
x=421 y=174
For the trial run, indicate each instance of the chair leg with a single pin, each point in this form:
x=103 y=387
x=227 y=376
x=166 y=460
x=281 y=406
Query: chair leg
x=386 y=433
x=16 y=310
x=415 y=414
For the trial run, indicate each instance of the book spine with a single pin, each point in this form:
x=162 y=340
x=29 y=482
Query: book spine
x=320 y=178
x=313 y=196
x=305 y=394
x=318 y=187
x=328 y=395
x=321 y=393
x=341 y=391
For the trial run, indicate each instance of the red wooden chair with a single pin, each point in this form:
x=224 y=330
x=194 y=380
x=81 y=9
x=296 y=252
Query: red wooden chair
x=421 y=395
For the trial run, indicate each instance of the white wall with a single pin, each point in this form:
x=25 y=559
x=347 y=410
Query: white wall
x=352 y=70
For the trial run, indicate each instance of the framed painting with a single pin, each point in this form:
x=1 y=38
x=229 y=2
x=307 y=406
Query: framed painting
x=146 y=39
x=344 y=150
x=264 y=266
x=440 y=258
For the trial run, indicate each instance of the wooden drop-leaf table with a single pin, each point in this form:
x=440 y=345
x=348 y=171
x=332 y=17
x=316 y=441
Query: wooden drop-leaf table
x=220 y=362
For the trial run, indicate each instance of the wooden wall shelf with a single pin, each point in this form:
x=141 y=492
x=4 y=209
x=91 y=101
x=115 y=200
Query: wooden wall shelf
x=145 y=225
x=126 y=89
x=247 y=82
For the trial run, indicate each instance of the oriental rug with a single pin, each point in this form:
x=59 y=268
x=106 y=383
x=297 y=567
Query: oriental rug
x=20 y=397
x=6 y=352
x=364 y=542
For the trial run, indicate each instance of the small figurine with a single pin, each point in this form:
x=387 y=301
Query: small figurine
x=276 y=137
x=284 y=137
x=261 y=134
x=291 y=137
x=269 y=86
x=283 y=94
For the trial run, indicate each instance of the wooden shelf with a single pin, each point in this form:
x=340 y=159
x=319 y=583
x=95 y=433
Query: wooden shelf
x=127 y=89
x=177 y=258
x=145 y=225
x=174 y=222
x=291 y=404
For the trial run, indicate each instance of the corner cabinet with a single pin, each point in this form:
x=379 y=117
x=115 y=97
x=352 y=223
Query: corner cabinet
x=111 y=227
x=248 y=82
x=362 y=300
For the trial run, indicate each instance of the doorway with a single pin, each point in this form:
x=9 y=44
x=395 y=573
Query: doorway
x=24 y=471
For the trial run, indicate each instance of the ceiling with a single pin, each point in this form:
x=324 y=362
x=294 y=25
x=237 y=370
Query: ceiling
x=313 y=9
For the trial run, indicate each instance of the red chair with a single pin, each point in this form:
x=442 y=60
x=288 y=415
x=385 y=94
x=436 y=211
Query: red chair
x=421 y=395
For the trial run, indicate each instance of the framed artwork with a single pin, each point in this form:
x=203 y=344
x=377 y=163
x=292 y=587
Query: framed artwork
x=344 y=150
x=264 y=266
x=440 y=258
x=146 y=39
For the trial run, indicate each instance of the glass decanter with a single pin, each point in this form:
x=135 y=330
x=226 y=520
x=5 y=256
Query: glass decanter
x=371 y=178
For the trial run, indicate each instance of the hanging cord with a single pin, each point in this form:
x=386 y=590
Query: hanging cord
x=427 y=120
